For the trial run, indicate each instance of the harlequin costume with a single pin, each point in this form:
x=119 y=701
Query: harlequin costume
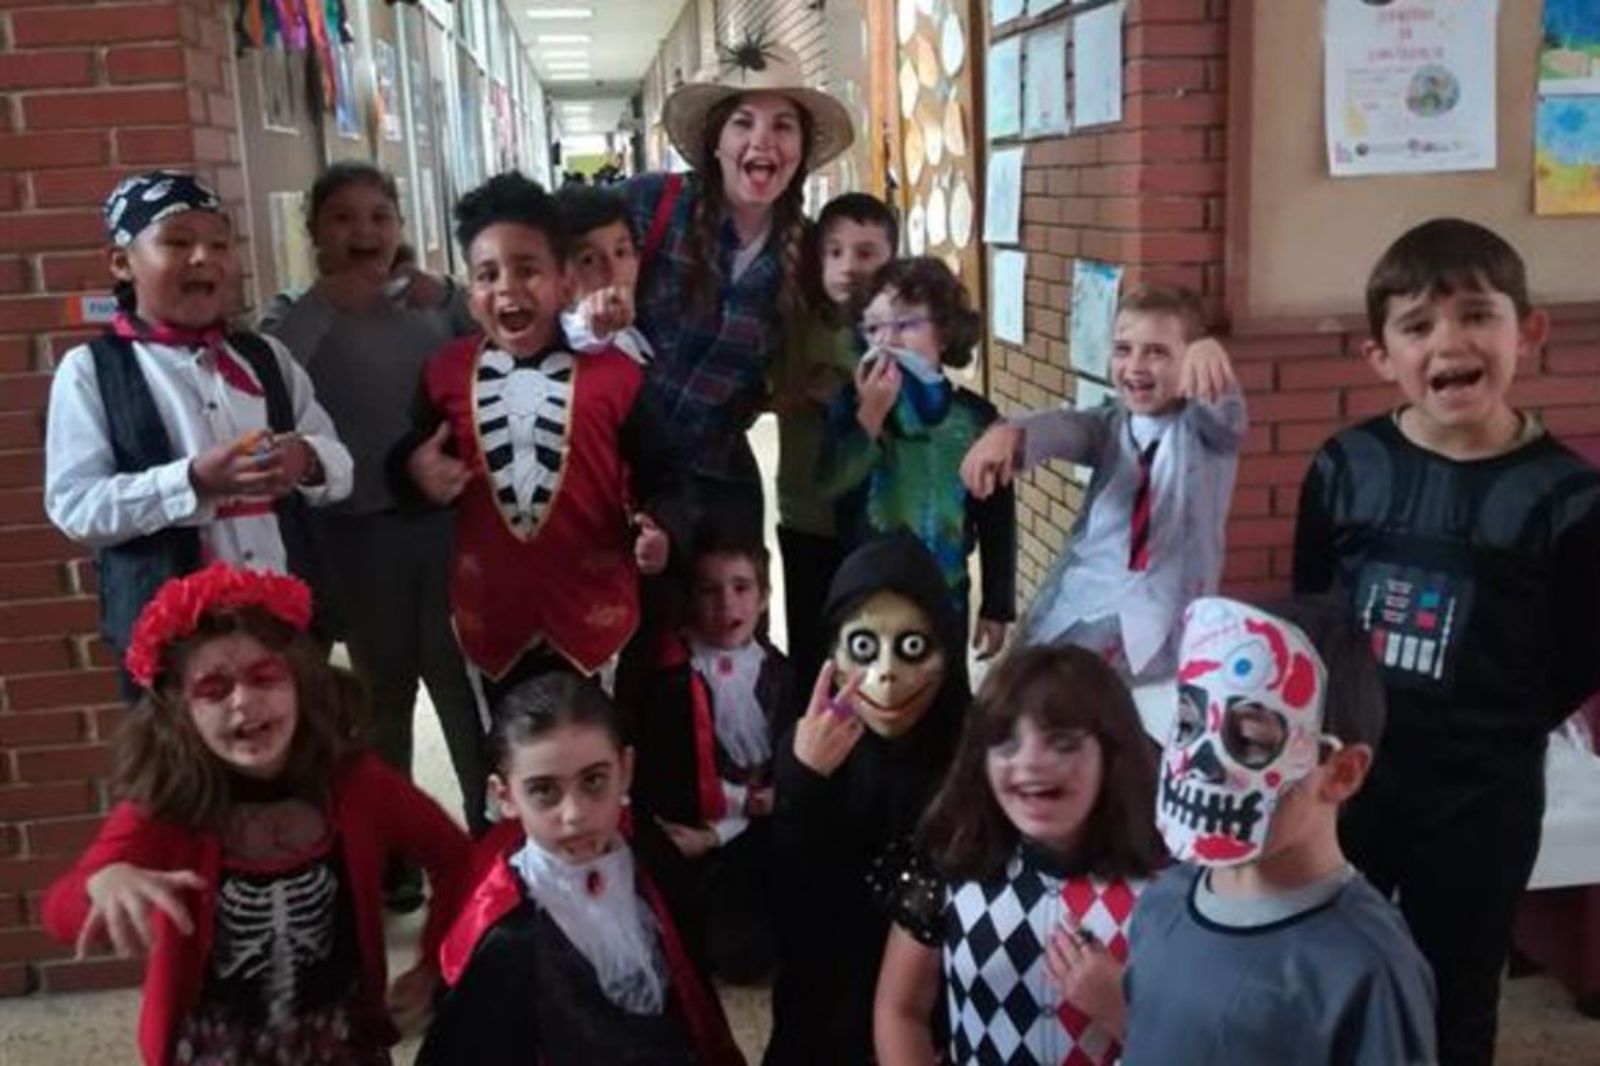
x=704 y=738
x=1000 y=1004
x=564 y=454
x=527 y=982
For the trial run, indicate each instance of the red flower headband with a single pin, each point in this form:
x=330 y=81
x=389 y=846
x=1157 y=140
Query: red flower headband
x=177 y=607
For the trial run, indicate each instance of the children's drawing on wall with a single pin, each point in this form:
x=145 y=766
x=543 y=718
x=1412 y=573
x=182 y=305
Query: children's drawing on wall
x=1005 y=88
x=1044 y=89
x=1002 y=209
x=1566 y=164
x=1097 y=66
x=293 y=256
x=1007 y=306
x=385 y=72
x=346 y=108
x=1094 y=310
x=275 y=69
x=1569 y=61
x=1410 y=87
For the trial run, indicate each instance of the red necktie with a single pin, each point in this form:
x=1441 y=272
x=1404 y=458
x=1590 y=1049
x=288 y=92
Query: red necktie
x=1139 y=524
x=211 y=339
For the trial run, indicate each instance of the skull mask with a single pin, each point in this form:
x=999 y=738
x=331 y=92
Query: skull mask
x=890 y=642
x=1249 y=726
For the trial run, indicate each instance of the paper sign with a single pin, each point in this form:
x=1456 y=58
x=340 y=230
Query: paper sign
x=91 y=310
x=1097 y=66
x=1002 y=209
x=1005 y=88
x=1410 y=86
x=1007 y=296
x=1044 y=88
x=1094 y=313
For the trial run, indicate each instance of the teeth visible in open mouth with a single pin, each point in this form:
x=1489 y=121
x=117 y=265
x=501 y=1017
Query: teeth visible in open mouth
x=1209 y=810
x=1453 y=378
x=516 y=320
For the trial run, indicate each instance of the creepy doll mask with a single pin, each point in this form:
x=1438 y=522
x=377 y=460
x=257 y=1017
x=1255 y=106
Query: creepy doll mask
x=891 y=642
x=1249 y=726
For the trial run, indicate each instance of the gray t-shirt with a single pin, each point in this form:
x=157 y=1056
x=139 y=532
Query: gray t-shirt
x=1335 y=981
x=366 y=369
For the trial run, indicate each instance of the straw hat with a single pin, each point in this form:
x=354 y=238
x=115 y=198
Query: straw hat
x=751 y=67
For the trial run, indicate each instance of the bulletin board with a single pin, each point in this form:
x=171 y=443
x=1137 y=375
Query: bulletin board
x=1301 y=242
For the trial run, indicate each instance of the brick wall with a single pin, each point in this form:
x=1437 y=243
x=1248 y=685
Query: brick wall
x=88 y=92
x=1149 y=193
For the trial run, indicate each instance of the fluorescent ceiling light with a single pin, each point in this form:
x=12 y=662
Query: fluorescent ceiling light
x=565 y=53
x=560 y=12
x=566 y=76
x=567 y=68
x=563 y=38
x=576 y=105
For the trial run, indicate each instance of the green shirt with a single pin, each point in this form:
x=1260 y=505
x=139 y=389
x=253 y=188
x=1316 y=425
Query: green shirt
x=815 y=361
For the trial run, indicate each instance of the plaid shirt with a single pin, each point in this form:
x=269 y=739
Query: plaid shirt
x=708 y=377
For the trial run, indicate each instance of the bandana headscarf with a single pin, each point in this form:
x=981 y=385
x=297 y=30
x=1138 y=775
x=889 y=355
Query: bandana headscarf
x=144 y=199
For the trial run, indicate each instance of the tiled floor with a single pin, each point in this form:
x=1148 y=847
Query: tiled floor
x=1538 y=1025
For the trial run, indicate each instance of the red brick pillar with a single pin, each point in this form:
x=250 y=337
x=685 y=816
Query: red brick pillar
x=1145 y=193
x=88 y=92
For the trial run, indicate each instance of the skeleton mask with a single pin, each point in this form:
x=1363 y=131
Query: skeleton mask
x=1249 y=725
x=890 y=641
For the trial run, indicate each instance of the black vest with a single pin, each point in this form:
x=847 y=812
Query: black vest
x=131 y=572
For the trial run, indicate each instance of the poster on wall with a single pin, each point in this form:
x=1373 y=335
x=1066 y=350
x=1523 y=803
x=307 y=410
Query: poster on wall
x=1410 y=86
x=1007 y=291
x=428 y=228
x=1094 y=314
x=347 y=105
x=385 y=71
x=292 y=254
x=417 y=89
x=1005 y=88
x=1566 y=163
x=1569 y=59
x=1097 y=66
x=1044 y=88
x=275 y=75
x=1002 y=207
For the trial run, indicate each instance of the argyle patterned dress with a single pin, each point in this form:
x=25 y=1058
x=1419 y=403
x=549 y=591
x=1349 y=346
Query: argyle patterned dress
x=1001 y=1007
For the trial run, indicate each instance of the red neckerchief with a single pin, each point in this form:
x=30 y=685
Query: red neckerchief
x=212 y=339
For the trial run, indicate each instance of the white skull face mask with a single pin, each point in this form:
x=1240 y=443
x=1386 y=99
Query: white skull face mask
x=889 y=641
x=1249 y=725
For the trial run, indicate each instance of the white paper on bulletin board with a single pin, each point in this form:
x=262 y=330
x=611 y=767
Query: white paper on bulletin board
x=1004 y=11
x=1007 y=296
x=1002 y=206
x=292 y=254
x=1097 y=66
x=1044 y=86
x=1410 y=87
x=1094 y=312
x=1004 y=112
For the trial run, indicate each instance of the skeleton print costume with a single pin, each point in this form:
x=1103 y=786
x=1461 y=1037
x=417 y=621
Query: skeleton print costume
x=544 y=538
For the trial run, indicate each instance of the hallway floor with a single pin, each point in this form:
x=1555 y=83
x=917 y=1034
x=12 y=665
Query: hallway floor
x=1538 y=1024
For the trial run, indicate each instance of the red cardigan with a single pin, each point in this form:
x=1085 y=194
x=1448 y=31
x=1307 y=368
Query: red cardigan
x=376 y=813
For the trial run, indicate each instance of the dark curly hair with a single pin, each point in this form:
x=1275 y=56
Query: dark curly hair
x=348 y=172
x=163 y=765
x=926 y=280
x=511 y=197
x=965 y=832
x=586 y=208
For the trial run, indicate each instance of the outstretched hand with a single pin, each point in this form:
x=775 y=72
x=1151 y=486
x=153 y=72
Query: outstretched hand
x=121 y=897
x=1207 y=373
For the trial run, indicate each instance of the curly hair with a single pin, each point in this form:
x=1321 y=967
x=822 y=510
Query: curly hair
x=789 y=225
x=511 y=197
x=163 y=765
x=928 y=281
x=965 y=832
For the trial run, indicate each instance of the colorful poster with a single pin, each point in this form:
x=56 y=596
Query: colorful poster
x=1569 y=61
x=1007 y=303
x=1410 y=86
x=1044 y=88
x=1097 y=66
x=347 y=106
x=275 y=69
x=1004 y=109
x=1566 y=163
x=385 y=72
x=1094 y=314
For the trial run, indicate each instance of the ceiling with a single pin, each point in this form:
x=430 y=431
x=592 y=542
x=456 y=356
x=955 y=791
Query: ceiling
x=623 y=38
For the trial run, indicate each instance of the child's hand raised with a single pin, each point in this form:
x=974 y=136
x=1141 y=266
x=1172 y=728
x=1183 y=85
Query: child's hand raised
x=1207 y=373
x=651 y=547
x=827 y=733
x=410 y=998
x=120 y=898
x=440 y=477
x=1087 y=975
x=992 y=460
x=877 y=387
x=608 y=310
